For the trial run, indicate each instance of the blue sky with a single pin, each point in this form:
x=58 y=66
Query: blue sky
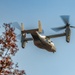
x=36 y=61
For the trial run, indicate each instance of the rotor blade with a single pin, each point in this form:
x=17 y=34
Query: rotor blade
x=0 y=36
x=18 y=36
x=58 y=28
x=65 y=18
x=16 y=25
x=72 y=26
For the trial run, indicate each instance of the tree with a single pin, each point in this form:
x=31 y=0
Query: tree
x=8 y=48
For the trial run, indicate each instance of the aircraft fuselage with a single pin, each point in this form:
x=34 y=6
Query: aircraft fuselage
x=43 y=43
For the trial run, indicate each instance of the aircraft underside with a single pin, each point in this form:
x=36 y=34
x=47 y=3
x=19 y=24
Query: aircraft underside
x=39 y=42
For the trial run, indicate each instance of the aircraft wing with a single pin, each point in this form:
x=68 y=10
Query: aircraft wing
x=28 y=39
x=56 y=35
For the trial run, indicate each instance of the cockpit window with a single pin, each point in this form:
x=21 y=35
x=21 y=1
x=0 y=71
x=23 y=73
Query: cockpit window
x=47 y=40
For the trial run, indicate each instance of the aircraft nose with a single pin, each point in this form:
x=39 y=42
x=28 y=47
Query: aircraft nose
x=54 y=49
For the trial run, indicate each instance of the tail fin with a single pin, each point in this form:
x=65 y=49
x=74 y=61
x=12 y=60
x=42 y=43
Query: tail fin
x=22 y=27
x=39 y=26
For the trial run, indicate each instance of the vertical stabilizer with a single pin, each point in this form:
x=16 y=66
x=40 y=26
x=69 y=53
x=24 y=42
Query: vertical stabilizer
x=22 y=27
x=39 y=26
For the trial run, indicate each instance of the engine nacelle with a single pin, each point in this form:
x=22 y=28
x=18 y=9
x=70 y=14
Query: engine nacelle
x=23 y=36
x=68 y=33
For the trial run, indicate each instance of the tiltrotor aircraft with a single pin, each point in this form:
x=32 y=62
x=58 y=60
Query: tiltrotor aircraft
x=44 y=42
